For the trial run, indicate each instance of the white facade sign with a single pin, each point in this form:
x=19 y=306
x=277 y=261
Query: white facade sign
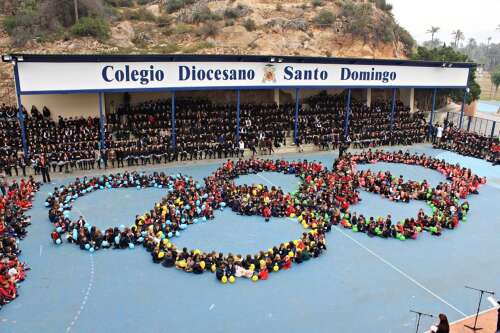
x=40 y=77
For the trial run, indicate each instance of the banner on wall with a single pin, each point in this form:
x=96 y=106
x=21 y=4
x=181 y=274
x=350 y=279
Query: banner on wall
x=44 y=77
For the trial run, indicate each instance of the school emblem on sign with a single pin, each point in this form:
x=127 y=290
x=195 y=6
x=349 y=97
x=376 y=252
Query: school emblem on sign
x=269 y=73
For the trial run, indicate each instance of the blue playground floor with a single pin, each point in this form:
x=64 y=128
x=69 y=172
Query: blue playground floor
x=361 y=284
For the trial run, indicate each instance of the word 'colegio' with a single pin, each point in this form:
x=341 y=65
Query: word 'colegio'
x=143 y=76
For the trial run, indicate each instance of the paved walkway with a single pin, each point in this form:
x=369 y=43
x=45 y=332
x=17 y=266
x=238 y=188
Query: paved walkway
x=487 y=321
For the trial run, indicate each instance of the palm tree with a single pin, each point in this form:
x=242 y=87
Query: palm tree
x=433 y=30
x=471 y=44
x=458 y=36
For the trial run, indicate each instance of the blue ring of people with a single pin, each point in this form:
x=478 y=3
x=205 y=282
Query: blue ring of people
x=323 y=200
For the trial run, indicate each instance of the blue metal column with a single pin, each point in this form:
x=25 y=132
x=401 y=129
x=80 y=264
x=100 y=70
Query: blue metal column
x=296 y=118
x=468 y=124
x=174 y=131
x=432 y=112
x=347 y=113
x=237 y=116
x=101 y=122
x=393 y=108
x=493 y=129
x=20 y=114
x=462 y=110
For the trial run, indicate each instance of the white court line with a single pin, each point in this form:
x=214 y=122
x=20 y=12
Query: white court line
x=41 y=249
x=267 y=180
x=400 y=271
x=86 y=297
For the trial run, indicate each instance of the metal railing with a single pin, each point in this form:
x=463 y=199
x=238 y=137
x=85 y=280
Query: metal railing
x=482 y=126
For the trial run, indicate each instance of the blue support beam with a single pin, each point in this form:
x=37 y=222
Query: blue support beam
x=296 y=118
x=102 y=122
x=493 y=129
x=237 y=116
x=462 y=110
x=393 y=108
x=431 y=119
x=174 y=130
x=347 y=113
x=20 y=114
x=468 y=123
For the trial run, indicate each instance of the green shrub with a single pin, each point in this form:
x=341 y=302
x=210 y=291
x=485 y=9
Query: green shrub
x=349 y=9
x=91 y=26
x=230 y=13
x=405 y=37
x=119 y=3
x=163 y=21
x=249 y=24
x=237 y=12
x=387 y=34
x=361 y=26
x=181 y=28
x=197 y=47
x=324 y=17
x=317 y=3
x=209 y=29
x=145 y=15
x=141 y=14
x=175 y=5
x=21 y=20
x=203 y=14
x=23 y=27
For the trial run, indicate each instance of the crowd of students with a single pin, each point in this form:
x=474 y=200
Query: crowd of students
x=323 y=200
x=142 y=133
x=322 y=123
x=469 y=144
x=15 y=200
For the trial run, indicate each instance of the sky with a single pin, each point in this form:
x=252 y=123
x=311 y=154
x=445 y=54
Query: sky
x=476 y=18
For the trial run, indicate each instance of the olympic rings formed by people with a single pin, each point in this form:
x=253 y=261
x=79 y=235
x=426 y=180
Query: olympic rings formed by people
x=323 y=199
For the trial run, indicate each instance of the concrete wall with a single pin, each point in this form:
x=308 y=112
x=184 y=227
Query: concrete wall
x=65 y=105
x=216 y=96
x=75 y=105
x=288 y=95
x=113 y=100
x=383 y=94
x=407 y=96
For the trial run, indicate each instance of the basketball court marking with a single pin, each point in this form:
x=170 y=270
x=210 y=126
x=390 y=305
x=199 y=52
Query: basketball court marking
x=86 y=297
x=267 y=180
x=89 y=287
x=385 y=261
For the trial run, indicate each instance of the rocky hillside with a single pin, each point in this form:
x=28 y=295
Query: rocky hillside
x=339 y=28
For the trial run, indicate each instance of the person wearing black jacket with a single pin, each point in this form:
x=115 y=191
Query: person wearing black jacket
x=44 y=168
x=443 y=326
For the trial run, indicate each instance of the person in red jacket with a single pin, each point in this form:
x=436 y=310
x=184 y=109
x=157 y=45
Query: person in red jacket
x=266 y=212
